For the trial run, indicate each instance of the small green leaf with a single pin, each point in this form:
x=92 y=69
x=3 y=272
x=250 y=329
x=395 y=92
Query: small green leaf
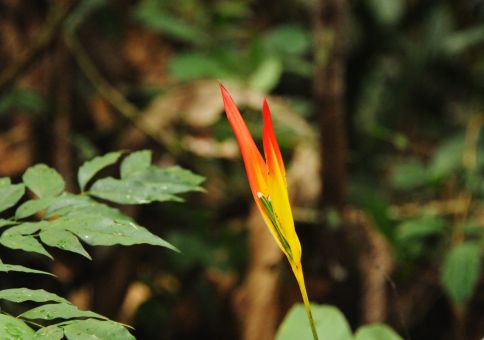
x=459 y=41
x=288 y=40
x=19 y=295
x=4 y=222
x=376 y=332
x=69 y=204
x=96 y=329
x=447 y=159
x=43 y=181
x=130 y=192
x=409 y=175
x=189 y=66
x=159 y=20
x=267 y=75
x=137 y=161
x=24 y=99
x=58 y=311
x=387 y=12
x=461 y=271
x=97 y=230
x=92 y=167
x=5 y=181
x=10 y=194
x=473 y=229
x=12 y=328
x=25 y=228
x=66 y=203
x=173 y=180
x=53 y=332
x=330 y=324
x=151 y=184
x=13 y=239
x=16 y=268
x=420 y=227
x=64 y=240
x=32 y=207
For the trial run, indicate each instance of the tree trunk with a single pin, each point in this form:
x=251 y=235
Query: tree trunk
x=328 y=93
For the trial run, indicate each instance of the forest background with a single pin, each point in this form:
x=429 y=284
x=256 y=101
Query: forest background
x=378 y=108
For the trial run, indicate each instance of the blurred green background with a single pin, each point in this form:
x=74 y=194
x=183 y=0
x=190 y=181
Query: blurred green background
x=80 y=78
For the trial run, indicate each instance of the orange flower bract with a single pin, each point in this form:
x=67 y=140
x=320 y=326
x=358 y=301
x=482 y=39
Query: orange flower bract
x=267 y=180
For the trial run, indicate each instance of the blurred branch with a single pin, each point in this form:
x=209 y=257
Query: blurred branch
x=474 y=127
x=56 y=17
x=114 y=96
x=451 y=206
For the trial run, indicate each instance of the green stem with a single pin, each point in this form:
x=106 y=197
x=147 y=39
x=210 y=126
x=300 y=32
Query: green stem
x=297 y=269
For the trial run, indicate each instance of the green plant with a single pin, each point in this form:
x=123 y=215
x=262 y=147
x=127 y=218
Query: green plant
x=59 y=219
x=331 y=324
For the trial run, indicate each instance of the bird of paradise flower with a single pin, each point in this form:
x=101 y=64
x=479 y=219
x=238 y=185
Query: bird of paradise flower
x=267 y=180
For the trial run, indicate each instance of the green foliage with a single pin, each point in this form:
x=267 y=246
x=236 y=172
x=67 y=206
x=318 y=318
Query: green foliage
x=156 y=15
x=22 y=99
x=13 y=328
x=266 y=76
x=288 y=39
x=142 y=183
x=376 y=332
x=409 y=175
x=414 y=230
x=5 y=268
x=66 y=221
x=147 y=185
x=219 y=48
x=32 y=207
x=84 y=329
x=10 y=194
x=461 y=41
x=24 y=294
x=97 y=329
x=330 y=324
x=98 y=230
x=43 y=181
x=386 y=12
x=89 y=169
x=447 y=158
x=22 y=237
x=58 y=311
x=461 y=270
x=188 y=66
x=63 y=239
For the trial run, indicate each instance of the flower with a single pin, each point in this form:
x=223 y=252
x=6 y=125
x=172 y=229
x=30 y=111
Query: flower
x=267 y=180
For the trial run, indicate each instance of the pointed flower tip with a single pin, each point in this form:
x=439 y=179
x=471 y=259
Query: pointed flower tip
x=223 y=89
x=266 y=112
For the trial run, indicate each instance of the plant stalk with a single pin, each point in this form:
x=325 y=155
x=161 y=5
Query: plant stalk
x=298 y=273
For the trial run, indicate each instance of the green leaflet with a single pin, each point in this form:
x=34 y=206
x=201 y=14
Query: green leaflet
x=19 y=295
x=266 y=202
x=13 y=328
x=43 y=181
